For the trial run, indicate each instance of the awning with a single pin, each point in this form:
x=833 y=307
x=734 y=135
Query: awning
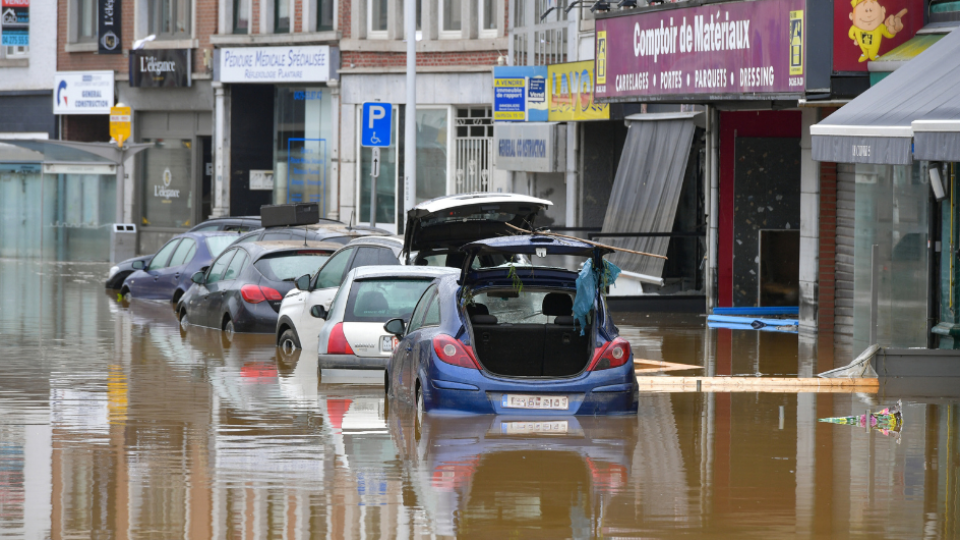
x=877 y=127
x=646 y=189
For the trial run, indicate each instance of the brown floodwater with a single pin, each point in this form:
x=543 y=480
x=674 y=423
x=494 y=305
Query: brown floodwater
x=115 y=423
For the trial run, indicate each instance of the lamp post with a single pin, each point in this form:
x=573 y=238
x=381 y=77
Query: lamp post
x=410 y=126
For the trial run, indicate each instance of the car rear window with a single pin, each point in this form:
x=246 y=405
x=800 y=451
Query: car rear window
x=216 y=244
x=289 y=265
x=382 y=299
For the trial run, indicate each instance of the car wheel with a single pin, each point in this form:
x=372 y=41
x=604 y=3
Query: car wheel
x=184 y=319
x=289 y=341
x=176 y=300
x=227 y=335
x=126 y=295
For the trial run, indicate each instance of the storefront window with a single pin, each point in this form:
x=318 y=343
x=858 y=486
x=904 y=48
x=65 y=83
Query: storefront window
x=431 y=154
x=167 y=180
x=302 y=147
x=55 y=216
x=892 y=213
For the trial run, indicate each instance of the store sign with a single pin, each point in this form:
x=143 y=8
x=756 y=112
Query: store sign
x=156 y=68
x=527 y=147
x=15 y=23
x=570 y=94
x=83 y=92
x=109 y=27
x=519 y=93
x=164 y=191
x=866 y=29
x=733 y=50
x=275 y=64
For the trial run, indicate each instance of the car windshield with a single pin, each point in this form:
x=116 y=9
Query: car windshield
x=382 y=299
x=216 y=244
x=289 y=265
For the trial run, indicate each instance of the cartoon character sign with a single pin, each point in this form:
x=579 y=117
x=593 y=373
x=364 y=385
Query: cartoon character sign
x=865 y=30
x=870 y=26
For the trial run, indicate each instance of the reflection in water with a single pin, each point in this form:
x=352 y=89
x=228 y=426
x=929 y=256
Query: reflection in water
x=114 y=423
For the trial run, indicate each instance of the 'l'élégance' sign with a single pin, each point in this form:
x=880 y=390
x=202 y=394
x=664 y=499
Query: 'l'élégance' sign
x=156 y=68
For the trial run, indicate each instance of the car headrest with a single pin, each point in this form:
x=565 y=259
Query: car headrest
x=371 y=304
x=477 y=309
x=483 y=319
x=557 y=304
x=564 y=320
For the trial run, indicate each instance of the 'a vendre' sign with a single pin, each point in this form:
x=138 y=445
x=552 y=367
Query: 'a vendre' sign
x=275 y=64
x=725 y=50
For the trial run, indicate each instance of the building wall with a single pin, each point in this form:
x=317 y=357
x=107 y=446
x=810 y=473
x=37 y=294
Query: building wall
x=35 y=72
x=827 y=282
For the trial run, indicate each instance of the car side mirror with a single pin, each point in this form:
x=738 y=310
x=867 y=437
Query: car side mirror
x=319 y=312
x=303 y=282
x=395 y=326
x=198 y=278
x=138 y=265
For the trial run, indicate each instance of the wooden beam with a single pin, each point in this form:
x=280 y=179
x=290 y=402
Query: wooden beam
x=757 y=384
x=643 y=365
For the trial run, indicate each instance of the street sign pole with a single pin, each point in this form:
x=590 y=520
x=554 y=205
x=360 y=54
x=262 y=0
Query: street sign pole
x=374 y=174
x=410 y=127
x=120 y=131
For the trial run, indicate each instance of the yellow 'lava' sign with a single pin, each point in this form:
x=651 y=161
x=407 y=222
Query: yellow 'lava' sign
x=120 y=124
x=570 y=93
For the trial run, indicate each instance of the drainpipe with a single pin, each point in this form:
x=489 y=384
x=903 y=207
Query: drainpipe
x=712 y=198
x=572 y=153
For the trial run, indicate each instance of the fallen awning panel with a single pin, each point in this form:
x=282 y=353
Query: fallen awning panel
x=646 y=189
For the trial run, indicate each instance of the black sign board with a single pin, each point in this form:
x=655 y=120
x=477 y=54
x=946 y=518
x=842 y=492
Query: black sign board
x=156 y=68
x=108 y=27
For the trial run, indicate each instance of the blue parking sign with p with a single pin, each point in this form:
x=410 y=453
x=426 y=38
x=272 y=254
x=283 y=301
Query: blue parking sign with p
x=377 y=124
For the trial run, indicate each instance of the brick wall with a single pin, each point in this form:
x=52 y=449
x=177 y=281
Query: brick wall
x=345 y=18
x=358 y=59
x=205 y=25
x=828 y=245
x=255 y=17
x=298 y=15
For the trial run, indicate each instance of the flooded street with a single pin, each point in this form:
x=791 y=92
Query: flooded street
x=116 y=423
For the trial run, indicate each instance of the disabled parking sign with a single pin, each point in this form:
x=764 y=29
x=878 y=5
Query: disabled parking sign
x=377 y=123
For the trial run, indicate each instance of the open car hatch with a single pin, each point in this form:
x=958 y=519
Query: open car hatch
x=534 y=246
x=445 y=224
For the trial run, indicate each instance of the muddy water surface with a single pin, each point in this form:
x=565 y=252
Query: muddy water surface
x=114 y=423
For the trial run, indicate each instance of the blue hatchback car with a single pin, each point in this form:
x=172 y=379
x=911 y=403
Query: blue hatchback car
x=502 y=339
x=167 y=275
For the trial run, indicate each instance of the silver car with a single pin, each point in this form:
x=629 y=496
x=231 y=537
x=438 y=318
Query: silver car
x=352 y=336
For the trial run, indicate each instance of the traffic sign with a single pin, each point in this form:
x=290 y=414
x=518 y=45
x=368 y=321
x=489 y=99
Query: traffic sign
x=375 y=170
x=120 y=124
x=377 y=125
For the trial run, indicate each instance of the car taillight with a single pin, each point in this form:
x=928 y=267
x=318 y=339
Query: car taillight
x=613 y=354
x=452 y=352
x=337 y=344
x=254 y=294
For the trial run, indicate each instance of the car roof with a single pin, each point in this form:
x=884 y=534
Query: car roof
x=258 y=249
x=403 y=271
x=388 y=241
x=466 y=199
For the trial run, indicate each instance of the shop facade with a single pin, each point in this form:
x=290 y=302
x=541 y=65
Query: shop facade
x=276 y=111
x=455 y=141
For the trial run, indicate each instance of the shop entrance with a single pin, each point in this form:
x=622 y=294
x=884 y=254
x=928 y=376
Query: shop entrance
x=759 y=217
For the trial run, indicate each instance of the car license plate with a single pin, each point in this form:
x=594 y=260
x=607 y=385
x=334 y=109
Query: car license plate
x=518 y=401
x=388 y=343
x=529 y=428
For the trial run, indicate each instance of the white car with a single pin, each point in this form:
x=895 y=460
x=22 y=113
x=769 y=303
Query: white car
x=352 y=334
x=296 y=328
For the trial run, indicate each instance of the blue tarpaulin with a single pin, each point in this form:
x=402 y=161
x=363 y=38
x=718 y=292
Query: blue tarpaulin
x=588 y=283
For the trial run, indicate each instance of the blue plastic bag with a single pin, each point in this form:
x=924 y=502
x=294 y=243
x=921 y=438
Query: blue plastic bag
x=588 y=282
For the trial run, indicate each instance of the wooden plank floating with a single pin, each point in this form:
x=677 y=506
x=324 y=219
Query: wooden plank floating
x=642 y=365
x=784 y=385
